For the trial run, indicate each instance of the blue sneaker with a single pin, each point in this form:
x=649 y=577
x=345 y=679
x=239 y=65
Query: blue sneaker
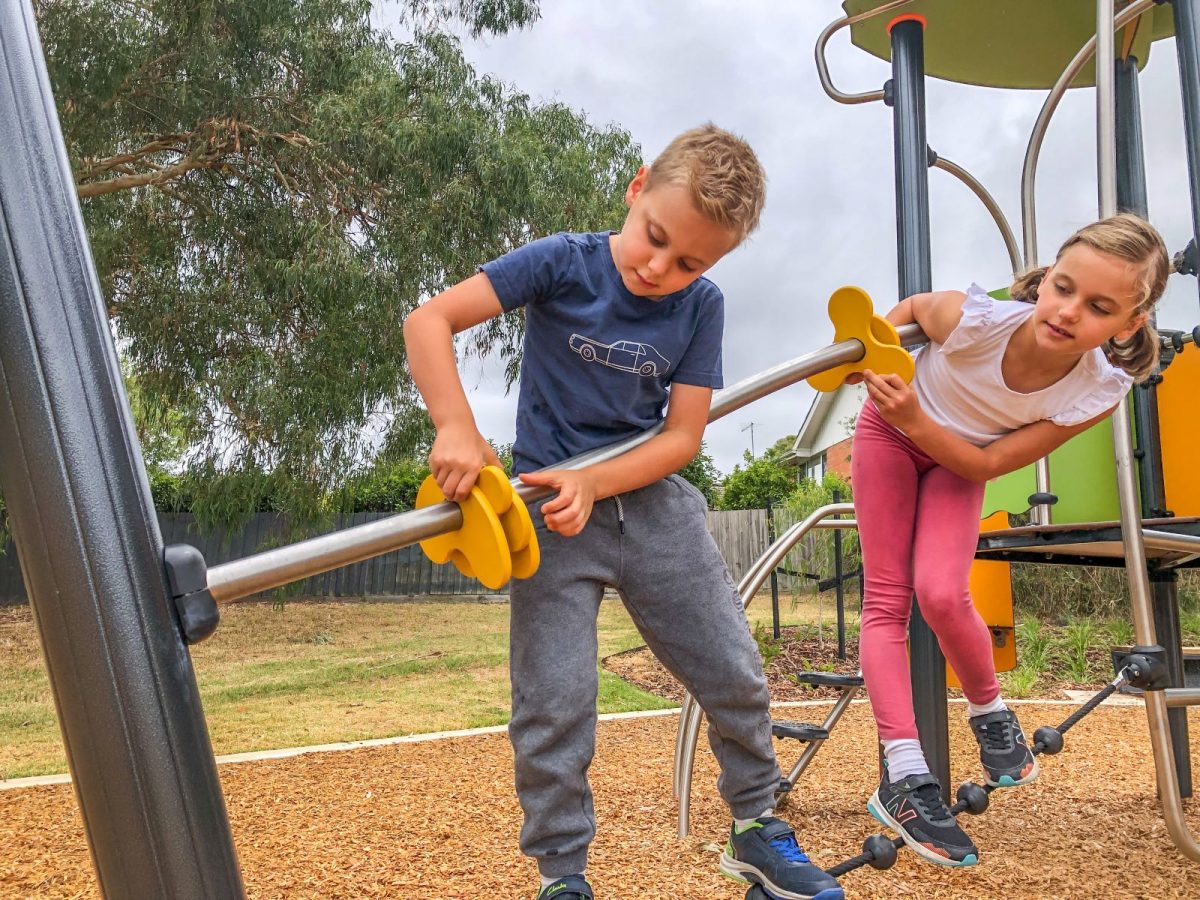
x=765 y=852
x=573 y=887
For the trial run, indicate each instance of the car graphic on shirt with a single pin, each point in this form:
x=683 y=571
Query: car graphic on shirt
x=629 y=356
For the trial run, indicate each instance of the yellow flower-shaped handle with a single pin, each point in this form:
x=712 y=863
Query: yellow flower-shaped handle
x=854 y=318
x=496 y=541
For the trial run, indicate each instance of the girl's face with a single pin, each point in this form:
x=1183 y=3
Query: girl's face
x=1086 y=298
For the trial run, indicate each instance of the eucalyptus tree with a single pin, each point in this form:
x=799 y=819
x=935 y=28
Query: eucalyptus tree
x=269 y=187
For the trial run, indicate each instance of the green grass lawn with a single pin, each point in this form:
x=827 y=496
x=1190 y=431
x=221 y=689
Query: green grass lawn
x=321 y=672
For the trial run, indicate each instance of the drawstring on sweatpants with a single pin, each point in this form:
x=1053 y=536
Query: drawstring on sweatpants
x=620 y=514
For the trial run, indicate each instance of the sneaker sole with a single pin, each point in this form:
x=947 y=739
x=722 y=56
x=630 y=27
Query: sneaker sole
x=741 y=872
x=1009 y=781
x=875 y=808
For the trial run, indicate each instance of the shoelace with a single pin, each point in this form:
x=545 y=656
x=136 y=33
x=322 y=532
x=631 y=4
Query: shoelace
x=929 y=798
x=998 y=736
x=788 y=848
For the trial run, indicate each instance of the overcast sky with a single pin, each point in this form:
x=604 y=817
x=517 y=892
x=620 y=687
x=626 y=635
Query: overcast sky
x=656 y=69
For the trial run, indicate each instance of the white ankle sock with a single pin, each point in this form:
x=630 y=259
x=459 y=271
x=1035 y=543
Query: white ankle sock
x=996 y=705
x=904 y=758
x=743 y=823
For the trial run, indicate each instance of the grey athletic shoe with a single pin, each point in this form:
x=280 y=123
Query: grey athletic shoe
x=914 y=809
x=1006 y=758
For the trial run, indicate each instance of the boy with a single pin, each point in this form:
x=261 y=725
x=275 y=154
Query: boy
x=611 y=320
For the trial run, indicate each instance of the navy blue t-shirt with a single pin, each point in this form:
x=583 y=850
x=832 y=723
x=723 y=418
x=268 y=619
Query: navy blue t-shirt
x=597 y=358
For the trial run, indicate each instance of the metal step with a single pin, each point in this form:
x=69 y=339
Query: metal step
x=830 y=679
x=800 y=731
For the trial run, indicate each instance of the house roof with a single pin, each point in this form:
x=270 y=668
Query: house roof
x=818 y=412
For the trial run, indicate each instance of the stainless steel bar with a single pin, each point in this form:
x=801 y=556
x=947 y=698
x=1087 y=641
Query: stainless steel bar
x=281 y=565
x=835 y=714
x=689 y=726
x=1106 y=109
x=1181 y=697
x=1038 y=134
x=823 y=68
x=1042 y=513
x=1165 y=540
x=1006 y=232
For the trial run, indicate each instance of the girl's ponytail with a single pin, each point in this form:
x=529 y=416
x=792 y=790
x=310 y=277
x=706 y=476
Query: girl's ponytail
x=1138 y=354
x=1025 y=288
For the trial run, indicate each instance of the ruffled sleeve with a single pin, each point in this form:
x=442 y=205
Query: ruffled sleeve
x=1111 y=386
x=978 y=313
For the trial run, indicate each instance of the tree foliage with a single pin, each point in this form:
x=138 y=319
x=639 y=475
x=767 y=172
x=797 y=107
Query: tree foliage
x=767 y=476
x=704 y=474
x=269 y=187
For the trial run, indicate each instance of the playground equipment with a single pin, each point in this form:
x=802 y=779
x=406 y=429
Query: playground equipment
x=1088 y=519
x=496 y=541
x=115 y=609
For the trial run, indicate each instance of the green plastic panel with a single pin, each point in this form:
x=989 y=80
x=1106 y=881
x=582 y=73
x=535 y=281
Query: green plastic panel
x=1004 y=43
x=1083 y=474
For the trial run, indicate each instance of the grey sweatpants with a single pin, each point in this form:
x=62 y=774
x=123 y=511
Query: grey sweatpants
x=672 y=579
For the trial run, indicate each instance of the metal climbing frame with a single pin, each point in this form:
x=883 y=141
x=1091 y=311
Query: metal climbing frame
x=1121 y=181
x=690 y=715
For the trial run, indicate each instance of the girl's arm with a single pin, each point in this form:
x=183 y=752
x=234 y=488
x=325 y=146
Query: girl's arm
x=938 y=313
x=897 y=403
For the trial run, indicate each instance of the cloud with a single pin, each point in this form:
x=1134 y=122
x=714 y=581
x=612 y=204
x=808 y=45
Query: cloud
x=658 y=68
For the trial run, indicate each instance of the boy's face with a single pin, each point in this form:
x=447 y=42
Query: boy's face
x=666 y=243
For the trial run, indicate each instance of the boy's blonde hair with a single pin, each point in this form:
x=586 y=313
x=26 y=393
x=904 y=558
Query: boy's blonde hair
x=1135 y=240
x=720 y=171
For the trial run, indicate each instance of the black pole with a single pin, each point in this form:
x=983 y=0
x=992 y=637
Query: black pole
x=85 y=530
x=1131 y=197
x=907 y=96
x=1187 y=48
x=774 y=573
x=841 y=588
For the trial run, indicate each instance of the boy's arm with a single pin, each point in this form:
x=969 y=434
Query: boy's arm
x=897 y=403
x=459 y=451
x=668 y=451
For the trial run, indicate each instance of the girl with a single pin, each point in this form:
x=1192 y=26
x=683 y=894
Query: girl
x=1000 y=385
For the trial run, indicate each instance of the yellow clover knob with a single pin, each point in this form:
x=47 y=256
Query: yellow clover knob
x=854 y=319
x=496 y=541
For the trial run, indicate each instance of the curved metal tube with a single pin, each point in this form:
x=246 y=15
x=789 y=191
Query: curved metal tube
x=1029 y=168
x=690 y=717
x=1043 y=514
x=1006 y=232
x=822 y=67
x=272 y=568
x=1127 y=488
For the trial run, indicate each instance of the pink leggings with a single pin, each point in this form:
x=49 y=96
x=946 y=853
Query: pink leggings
x=918 y=524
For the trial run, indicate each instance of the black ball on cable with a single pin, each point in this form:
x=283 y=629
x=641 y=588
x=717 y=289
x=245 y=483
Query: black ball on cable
x=1050 y=738
x=881 y=850
x=974 y=796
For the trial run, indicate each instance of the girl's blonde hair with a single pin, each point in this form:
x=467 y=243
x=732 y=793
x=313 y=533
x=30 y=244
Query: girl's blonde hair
x=1135 y=240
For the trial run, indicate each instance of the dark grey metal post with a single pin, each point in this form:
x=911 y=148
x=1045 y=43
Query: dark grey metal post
x=1164 y=584
x=85 y=529
x=1187 y=48
x=916 y=275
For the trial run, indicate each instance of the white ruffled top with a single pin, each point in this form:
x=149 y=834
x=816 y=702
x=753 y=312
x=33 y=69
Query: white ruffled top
x=961 y=386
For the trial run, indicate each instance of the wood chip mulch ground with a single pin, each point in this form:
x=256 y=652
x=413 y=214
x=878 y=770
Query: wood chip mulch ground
x=439 y=820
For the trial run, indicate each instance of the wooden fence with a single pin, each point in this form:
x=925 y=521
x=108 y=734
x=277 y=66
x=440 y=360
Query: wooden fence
x=741 y=535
